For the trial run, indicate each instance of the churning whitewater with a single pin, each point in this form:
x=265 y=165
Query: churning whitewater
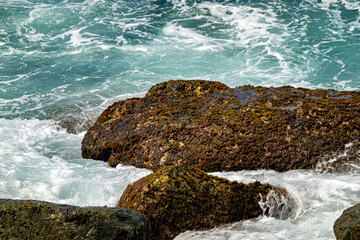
x=62 y=62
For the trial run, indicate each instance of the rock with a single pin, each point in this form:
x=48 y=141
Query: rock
x=76 y=125
x=217 y=128
x=342 y=162
x=30 y=219
x=347 y=226
x=179 y=198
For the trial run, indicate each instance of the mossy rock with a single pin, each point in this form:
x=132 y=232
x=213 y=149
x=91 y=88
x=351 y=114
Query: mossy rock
x=30 y=219
x=216 y=128
x=179 y=198
x=347 y=226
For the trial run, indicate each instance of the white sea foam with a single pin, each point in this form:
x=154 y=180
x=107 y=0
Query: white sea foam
x=190 y=37
x=40 y=162
x=351 y=5
x=17 y=78
x=254 y=37
x=332 y=7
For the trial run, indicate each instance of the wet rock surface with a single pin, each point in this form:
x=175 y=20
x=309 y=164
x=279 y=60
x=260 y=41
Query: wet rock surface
x=179 y=198
x=217 y=128
x=347 y=226
x=28 y=219
x=346 y=161
x=76 y=125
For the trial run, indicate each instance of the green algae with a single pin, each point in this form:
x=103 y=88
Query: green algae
x=30 y=219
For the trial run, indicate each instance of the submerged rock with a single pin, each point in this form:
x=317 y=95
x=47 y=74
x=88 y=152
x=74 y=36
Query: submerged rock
x=179 y=198
x=76 y=125
x=42 y=220
x=217 y=128
x=347 y=226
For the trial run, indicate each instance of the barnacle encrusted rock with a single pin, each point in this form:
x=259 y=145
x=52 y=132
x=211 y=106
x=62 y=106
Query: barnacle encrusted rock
x=347 y=226
x=217 y=128
x=179 y=198
x=30 y=219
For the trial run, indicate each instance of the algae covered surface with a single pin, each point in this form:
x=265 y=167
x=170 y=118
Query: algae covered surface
x=216 y=128
x=347 y=226
x=179 y=198
x=29 y=219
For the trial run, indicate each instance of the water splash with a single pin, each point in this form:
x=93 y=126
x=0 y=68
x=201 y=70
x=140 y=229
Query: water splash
x=277 y=204
x=347 y=161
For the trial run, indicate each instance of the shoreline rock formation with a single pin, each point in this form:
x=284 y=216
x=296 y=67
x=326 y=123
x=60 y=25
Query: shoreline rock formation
x=183 y=128
x=217 y=128
x=29 y=219
x=179 y=198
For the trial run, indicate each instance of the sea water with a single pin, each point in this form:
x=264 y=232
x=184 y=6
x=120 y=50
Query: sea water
x=62 y=62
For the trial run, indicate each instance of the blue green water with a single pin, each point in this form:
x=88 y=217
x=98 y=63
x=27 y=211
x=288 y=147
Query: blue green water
x=65 y=57
x=70 y=59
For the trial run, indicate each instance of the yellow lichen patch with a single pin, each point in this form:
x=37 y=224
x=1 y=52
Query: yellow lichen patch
x=198 y=90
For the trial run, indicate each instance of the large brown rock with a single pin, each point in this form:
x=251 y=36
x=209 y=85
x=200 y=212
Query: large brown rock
x=180 y=198
x=217 y=128
x=347 y=226
x=28 y=219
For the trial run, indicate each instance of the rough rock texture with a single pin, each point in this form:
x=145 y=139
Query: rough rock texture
x=179 y=198
x=42 y=220
x=217 y=128
x=347 y=226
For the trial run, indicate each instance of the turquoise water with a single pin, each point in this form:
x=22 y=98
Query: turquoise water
x=70 y=59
